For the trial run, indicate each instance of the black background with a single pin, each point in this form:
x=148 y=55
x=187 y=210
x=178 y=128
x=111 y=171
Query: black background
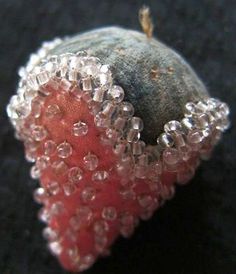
x=192 y=234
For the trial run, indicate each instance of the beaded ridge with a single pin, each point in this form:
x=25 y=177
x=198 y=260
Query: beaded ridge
x=179 y=148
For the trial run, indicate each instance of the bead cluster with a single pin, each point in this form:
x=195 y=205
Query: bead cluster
x=138 y=165
x=197 y=133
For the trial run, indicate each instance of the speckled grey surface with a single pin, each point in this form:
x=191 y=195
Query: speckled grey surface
x=156 y=79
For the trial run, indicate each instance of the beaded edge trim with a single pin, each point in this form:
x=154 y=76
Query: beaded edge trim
x=198 y=131
x=193 y=137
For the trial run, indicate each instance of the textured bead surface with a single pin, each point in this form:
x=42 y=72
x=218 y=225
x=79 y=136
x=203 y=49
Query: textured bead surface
x=99 y=169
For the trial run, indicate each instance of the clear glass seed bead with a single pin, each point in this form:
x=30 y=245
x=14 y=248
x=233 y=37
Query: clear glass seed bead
x=74 y=256
x=83 y=217
x=49 y=147
x=44 y=215
x=222 y=124
x=57 y=208
x=87 y=96
x=138 y=147
x=65 y=86
x=127 y=219
x=99 y=95
x=185 y=152
x=35 y=172
x=69 y=189
x=86 y=84
x=40 y=194
x=76 y=92
x=171 y=156
x=72 y=75
x=144 y=159
x=126 y=231
x=137 y=123
x=119 y=123
x=195 y=137
x=80 y=129
x=203 y=121
x=122 y=147
x=133 y=135
x=100 y=243
x=191 y=109
x=88 y=194
x=108 y=109
x=100 y=227
x=75 y=63
x=158 y=166
x=101 y=120
x=165 y=140
x=172 y=126
x=71 y=235
x=179 y=139
x=43 y=77
x=32 y=81
x=42 y=162
x=75 y=223
x=185 y=176
x=91 y=66
x=30 y=155
x=36 y=107
x=75 y=174
x=86 y=262
x=53 y=188
x=212 y=103
x=109 y=213
x=39 y=133
x=140 y=171
x=94 y=107
x=100 y=175
x=202 y=106
x=64 y=150
x=188 y=123
x=224 y=109
x=126 y=109
x=55 y=248
x=90 y=161
x=145 y=201
x=113 y=134
x=59 y=167
x=104 y=76
x=53 y=111
x=50 y=234
x=51 y=67
x=116 y=93
x=85 y=212
x=127 y=193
